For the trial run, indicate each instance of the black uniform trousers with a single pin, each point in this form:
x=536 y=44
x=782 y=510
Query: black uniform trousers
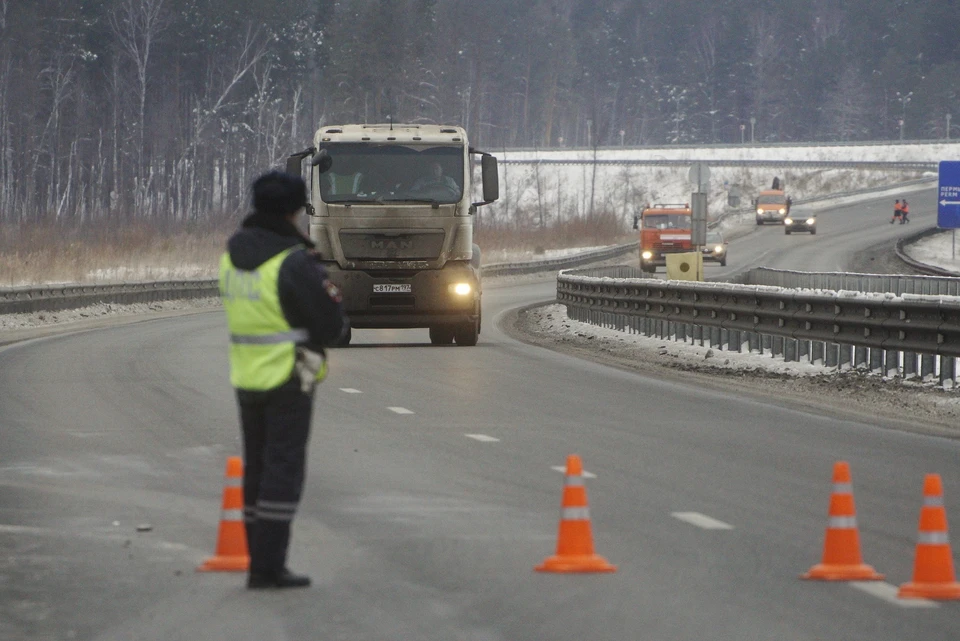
x=276 y=429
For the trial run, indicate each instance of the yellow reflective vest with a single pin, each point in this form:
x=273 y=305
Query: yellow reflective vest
x=262 y=343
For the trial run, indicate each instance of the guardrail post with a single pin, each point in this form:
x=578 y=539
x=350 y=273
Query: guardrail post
x=846 y=357
x=860 y=357
x=725 y=339
x=765 y=343
x=803 y=351
x=909 y=364
x=928 y=365
x=789 y=350
x=948 y=370
x=817 y=352
x=876 y=360
x=776 y=346
x=891 y=363
x=753 y=341
x=682 y=332
x=736 y=340
x=831 y=357
x=714 y=336
x=697 y=335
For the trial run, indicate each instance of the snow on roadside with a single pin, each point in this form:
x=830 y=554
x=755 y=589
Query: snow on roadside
x=553 y=319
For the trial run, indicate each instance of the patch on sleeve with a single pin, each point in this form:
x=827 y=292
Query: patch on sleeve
x=332 y=291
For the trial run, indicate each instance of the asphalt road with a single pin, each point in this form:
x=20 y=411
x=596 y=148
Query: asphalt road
x=417 y=524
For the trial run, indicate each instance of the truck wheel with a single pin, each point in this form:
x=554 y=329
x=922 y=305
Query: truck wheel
x=441 y=335
x=786 y=231
x=467 y=334
x=759 y=221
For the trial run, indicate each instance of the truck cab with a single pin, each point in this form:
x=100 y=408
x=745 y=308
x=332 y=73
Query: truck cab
x=664 y=229
x=392 y=217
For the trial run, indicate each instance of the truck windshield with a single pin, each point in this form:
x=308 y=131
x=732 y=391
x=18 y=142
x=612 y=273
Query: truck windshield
x=666 y=221
x=379 y=172
x=771 y=199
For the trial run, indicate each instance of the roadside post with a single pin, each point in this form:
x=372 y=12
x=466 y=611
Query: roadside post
x=700 y=179
x=948 y=198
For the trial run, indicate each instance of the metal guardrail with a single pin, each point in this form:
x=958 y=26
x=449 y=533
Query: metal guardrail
x=49 y=298
x=567 y=262
x=887 y=333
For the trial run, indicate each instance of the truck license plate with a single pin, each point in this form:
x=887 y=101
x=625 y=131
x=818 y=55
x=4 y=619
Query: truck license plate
x=391 y=289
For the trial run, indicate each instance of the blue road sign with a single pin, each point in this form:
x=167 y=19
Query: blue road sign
x=948 y=196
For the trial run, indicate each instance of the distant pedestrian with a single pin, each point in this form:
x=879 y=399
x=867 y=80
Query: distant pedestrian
x=897 y=212
x=904 y=212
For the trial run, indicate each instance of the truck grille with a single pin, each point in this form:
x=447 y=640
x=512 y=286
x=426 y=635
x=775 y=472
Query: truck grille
x=414 y=244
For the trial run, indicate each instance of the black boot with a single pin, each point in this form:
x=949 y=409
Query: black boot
x=283 y=579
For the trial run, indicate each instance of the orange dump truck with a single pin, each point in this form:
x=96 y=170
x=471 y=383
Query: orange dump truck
x=772 y=205
x=664 y=229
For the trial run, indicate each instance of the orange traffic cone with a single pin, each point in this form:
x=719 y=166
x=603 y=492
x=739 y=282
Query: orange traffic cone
x=231 y=554
x=933 y=576
x=841 y=548
x=575 y=539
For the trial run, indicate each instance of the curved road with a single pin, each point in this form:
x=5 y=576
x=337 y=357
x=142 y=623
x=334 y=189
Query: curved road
x=432 y=491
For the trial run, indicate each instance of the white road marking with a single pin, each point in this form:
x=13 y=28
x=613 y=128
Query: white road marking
x=701 y=520
x=350 y=390
x=563 y=470
x=483 y=438
x=400 y=410
x=888 y=593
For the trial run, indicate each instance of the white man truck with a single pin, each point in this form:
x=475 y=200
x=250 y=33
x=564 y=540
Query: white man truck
x=391 y=212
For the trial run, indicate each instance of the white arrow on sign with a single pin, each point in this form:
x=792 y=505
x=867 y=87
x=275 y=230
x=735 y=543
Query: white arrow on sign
x=950 y=202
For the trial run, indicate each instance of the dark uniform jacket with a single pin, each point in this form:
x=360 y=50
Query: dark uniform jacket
x=308 y=299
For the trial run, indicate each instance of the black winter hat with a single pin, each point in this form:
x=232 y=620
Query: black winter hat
x=279 y=193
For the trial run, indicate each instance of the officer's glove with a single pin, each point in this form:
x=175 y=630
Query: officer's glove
x=311 y=366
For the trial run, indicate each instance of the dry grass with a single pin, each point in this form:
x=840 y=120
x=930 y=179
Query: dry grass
x=48 y=254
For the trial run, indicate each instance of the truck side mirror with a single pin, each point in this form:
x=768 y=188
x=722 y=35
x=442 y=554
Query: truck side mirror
x=491 y=179
x=322 y=161
x=636 y=222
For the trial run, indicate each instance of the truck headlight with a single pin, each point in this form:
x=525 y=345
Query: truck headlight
x=461 y=289
x=782 y=211
x=647 y=255
x=759 y=211
x=788 y=221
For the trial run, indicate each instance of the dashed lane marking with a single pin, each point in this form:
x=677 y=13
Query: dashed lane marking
x=350 y=390
x=563 y=470
x=701 y=520
x=888 y=593
x=483 y=438
x=399 y=410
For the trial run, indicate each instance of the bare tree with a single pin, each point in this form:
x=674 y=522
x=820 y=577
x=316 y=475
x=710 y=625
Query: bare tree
x=137 y=24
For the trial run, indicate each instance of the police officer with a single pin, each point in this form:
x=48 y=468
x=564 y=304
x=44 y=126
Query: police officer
x=281 y=312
